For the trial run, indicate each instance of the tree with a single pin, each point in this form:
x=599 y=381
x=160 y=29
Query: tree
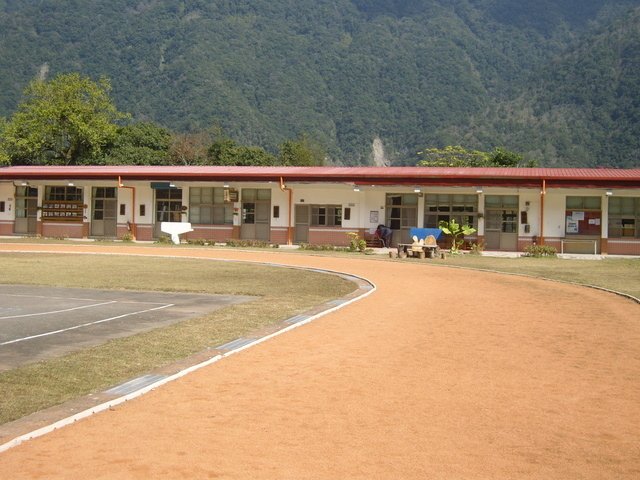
x=453 y=156
x=189 y=148
x=457 y=156
x=68 y=120
x=141 y=143
x=301 y=152
x=501 y=157
x=4 y=156
x=225 y=151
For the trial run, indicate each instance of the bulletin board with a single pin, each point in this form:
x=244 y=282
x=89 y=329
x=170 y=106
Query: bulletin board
x=582 y=222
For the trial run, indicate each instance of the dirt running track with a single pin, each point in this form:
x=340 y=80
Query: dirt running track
x=466 y=375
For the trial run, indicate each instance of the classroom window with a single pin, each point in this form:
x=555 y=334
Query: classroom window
x=326 y=215
x=207 y=207
x=624 y=217
x=444 y=207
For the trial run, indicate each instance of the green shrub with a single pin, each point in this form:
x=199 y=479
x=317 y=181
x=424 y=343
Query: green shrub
x=127 y=237
x=199 y=241
x=540 y=251
x=164 y=239
x=319 y=248
x=356 y=243
x=235 y=242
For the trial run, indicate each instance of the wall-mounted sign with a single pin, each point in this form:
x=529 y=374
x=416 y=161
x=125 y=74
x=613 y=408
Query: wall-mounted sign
x=572 y=225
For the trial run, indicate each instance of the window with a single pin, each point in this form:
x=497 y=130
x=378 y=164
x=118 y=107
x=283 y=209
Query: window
x=326 y=215
x=401 y=210
x=67 y=194
x=444 y=207
x=207 y=206
x=624 y=217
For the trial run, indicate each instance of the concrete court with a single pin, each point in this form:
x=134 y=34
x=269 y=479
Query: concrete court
x=42 y=322
x=485 y=376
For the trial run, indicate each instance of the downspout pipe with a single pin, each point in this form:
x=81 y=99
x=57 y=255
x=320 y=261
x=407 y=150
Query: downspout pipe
x=289 y=227
x=133 y=207
x=543 y=193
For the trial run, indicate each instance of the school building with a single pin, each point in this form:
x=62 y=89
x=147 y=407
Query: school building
x=575 y=210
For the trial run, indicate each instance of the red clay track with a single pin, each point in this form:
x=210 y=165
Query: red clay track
x=440 y=374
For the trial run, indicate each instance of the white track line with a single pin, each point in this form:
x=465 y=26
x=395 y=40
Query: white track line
x=84 y=325
x=51 y=312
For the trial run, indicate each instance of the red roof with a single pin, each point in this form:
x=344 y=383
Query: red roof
x=605 y=177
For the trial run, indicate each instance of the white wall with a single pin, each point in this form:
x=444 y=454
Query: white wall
x=7 y=191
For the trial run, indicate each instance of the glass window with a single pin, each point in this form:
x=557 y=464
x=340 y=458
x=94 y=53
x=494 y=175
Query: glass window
x=583 y=203
x=66 y=194
x=624 y=217
x=207 y=206
x=462 y=208
x=326 y=215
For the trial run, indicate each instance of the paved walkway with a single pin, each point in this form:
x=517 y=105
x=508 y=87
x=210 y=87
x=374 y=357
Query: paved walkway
x=439 y=374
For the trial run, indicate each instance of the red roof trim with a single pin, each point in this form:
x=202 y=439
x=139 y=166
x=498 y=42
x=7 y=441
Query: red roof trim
x=358 y=175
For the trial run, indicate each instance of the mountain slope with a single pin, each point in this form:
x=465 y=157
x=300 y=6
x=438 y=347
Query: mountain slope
x=583 y=108
x=413 y=73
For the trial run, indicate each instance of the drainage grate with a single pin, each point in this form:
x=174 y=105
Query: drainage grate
x=240 y=342
x=296 y=319
x=336 y=302
x=135 y=384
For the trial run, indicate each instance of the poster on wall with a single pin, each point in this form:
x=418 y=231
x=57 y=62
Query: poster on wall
x=577 y=216
x=572 y=225
x=373 y=216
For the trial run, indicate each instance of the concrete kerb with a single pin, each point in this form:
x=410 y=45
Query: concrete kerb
x=365 y=288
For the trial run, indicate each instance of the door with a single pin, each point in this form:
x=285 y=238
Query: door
x=103 y=212
x=401 y=215
x=168 y=207
x=302 y=224
x=26 y=210
x=256 y=214
x=501 y=222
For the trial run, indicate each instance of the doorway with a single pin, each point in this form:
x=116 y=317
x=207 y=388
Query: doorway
x=26 y=210
x=256 y=214
x=104 y=212
x=302 y=224
x=501 y=222
x=168 y=207
x=401 y=215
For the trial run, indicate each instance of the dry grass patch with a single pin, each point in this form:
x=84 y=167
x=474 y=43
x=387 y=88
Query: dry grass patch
x=282 y=293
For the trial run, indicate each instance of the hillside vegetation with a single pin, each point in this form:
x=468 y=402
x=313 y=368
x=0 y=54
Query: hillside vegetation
x=554 y=80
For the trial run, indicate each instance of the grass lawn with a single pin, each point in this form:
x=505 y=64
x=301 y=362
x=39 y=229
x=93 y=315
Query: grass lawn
x=282 y=293
x=619 y=274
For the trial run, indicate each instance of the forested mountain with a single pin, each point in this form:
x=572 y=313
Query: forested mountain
x=557 y=80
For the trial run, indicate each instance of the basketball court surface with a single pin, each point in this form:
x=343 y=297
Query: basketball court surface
x=42 y=322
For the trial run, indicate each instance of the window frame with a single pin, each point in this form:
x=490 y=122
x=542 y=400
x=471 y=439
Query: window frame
x=445 y=206
x=213 y=202
x=330 y=214
x=618 y=219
